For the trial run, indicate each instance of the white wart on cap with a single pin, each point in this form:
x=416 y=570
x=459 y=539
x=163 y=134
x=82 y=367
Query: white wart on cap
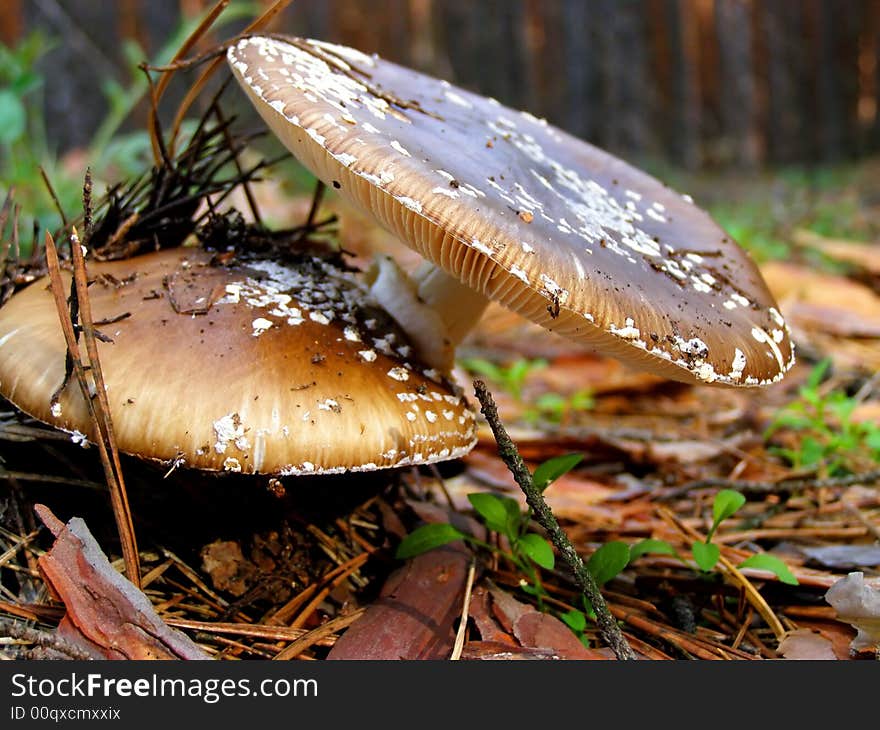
x=523 y=213
x=255 y=367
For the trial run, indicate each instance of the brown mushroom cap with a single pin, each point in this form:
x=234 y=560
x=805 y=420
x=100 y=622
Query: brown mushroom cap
x=553 y=228
x=255 y=367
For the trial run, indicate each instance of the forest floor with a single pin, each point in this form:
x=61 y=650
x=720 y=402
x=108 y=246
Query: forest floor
x=310 y=571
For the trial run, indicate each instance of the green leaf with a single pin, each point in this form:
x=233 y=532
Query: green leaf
x=650 y=545
x=575 y=620
x=705 y=555
x=763 y=561
x=538 y=549
x=527 y=587
x=13 y=117
x=500 y=514
x=872 y=439
x=548 y=472
x=551 y=402
x=482 y=367
x=427 y=537
x=727 y=501
x=812 y=451
x=817 y=374
x=582 y=400
x=608 y=561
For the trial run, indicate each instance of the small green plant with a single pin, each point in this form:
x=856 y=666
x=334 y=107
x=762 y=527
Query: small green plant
x=502 y=515
x=24 y=144
x=754 y=228
x=829 y=440
x=524 y=549
x=510 y=377
x=556 y=408
x=528 y=549
x=706 y=553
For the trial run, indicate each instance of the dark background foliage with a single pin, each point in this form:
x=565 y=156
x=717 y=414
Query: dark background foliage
x=694 y=83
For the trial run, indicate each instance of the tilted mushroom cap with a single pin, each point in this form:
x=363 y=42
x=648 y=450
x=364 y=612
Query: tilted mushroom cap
x=256 y=367
x=550 y=226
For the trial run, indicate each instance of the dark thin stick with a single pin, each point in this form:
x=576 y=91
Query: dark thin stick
x=608 y=627
x=87 y=206
x=317 y=196
x=252 y=203
x=54 y=195
x=196 y=88
x=783 y=486
x=159 y=151
x=4 y=211
x=42 y=639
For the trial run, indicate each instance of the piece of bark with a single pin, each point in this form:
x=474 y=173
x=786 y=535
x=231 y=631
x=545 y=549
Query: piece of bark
x=105 y=614
x=414 y=616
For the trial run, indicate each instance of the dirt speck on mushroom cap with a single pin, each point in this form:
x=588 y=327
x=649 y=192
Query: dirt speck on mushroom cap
x=552 y=227
x=257 y=367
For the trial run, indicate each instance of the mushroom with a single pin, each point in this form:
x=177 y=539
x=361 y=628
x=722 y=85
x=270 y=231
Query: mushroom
x=505 y=206
x=256 y=367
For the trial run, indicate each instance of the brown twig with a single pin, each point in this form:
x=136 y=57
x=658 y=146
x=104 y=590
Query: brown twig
x=783 y=486
x=315 y=635
x=608 y=627
x=42 y=639
x=75 y=318
x=155 y=135
x=196 y=88
x=245 y=184
x=751 y=593
x=53 y=195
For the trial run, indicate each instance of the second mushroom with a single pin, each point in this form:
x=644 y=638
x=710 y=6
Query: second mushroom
x=505 y=206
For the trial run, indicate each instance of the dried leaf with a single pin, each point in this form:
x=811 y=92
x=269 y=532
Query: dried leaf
x=806 y=644
x=538 y=630
x=500 y=651
x=826 y=302
x=480 y=613
x=230 y=571
x=544 y=631
x=862 y=255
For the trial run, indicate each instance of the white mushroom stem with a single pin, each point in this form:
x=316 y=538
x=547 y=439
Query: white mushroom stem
x=434 y=309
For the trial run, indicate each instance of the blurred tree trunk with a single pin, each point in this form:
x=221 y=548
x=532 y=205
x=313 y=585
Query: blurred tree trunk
x=548 y=60
x=871 y=71
x=622 y=54
x=486 y=47
x=75 y=68
x=736 y=84
x=699 y=82
x=578 y=38
x=786 y=47
x=683 y=117
x=311 y=18
x=11 y=22
x=837 y=75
